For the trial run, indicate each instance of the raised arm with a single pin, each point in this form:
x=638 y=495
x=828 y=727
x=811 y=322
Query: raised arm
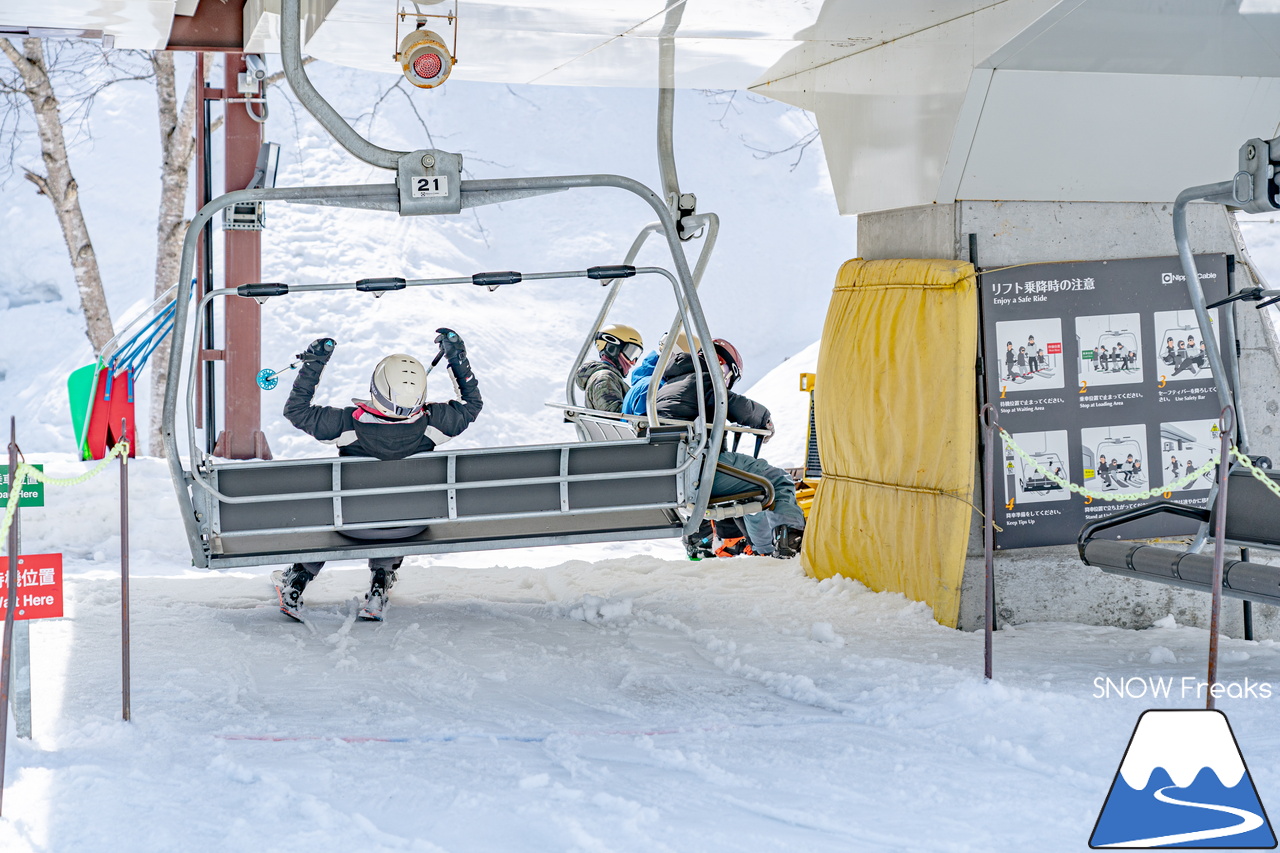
x=445 y=420
x=322 y=422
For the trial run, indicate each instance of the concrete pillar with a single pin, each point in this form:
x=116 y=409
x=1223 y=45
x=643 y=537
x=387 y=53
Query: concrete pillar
x=1051 y=584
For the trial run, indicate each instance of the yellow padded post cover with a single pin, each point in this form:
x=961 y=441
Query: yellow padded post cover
x=897 y=424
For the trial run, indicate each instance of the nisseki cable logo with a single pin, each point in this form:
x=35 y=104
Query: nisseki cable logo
x=1183 y=783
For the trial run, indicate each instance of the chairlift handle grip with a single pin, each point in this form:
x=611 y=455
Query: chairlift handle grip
x=613 y=271
x=493 y=279
x=380 y=285
x=1252 y=294
x=262 y=289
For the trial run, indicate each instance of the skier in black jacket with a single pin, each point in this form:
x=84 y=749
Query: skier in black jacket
x=393 y=424
x=775 y=532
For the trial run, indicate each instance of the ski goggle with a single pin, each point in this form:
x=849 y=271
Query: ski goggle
x=730 y=373
x=629 y=350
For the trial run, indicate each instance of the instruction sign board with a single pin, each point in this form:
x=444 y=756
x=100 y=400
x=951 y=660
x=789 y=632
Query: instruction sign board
x=39 y=586
x=1099 y=372
x=32 y=490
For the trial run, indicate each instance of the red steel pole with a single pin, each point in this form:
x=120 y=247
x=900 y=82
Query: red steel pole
x=242 y=436
x=988 y=537
x=1228 y=428
x=6 y=656
x=124 y=583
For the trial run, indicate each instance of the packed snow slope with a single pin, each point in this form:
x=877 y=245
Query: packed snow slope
x=608 y=697
x=602 y=698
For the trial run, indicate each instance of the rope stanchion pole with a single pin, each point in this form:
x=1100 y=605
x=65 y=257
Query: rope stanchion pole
x=124 y=578
x=15 y=477
x=988 y=535
x=1227 y=430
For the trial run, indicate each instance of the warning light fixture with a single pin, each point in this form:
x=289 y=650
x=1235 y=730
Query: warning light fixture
x=424 y=59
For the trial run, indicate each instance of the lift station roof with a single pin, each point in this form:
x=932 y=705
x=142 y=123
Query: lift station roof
x=918 y=101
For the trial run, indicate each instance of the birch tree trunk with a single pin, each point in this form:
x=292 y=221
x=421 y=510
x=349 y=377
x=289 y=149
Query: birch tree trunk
x=177 y=146
x=60 y=186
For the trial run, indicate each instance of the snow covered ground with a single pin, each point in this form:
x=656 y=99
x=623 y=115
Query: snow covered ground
x=589 y=698
x=595 y=698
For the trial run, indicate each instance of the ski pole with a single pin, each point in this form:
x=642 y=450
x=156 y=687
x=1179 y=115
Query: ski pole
x=268 y=378
x=435 y=361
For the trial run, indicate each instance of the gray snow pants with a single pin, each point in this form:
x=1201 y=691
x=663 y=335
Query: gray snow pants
x=760 y=525
x=386 y=564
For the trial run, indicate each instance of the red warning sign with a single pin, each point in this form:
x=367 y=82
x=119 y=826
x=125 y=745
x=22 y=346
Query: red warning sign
x=1054 y=348
x=39 y=586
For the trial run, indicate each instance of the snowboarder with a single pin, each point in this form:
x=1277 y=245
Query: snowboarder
x=1103 y=357
x=1010 y=359
x=1022 y=361
x=605 y=381
x=776 y=532
x=1032 y=361
x=393 y=424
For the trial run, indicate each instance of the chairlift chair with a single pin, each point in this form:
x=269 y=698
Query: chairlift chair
x=1128 y=340
x=1033 y=481
x=649 y=481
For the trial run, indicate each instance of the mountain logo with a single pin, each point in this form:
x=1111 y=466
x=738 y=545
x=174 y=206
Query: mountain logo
x=1183 y=783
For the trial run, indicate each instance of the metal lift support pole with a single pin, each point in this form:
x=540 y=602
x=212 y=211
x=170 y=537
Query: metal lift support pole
x=11 y=606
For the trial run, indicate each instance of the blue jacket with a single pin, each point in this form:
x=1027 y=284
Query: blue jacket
x=641 y=374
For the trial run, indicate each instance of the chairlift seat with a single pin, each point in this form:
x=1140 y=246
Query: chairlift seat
x=1251 y=522
x=297 y=510
x=601 y=426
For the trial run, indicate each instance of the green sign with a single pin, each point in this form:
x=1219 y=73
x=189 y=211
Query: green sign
x=32 y=490
x=1087 y=354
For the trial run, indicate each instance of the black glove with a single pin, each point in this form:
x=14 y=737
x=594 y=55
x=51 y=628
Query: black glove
x=318 y=350
x=452 y=344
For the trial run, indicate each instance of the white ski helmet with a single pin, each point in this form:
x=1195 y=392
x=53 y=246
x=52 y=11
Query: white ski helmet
x=398 y=386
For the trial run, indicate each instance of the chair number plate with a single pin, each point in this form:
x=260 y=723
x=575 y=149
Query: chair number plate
x=430 y=186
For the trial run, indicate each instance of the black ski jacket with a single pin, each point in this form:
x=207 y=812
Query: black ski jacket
x=359 y=432
x=678 y=396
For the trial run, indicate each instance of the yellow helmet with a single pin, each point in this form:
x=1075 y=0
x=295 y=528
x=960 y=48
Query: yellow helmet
x=618 y=340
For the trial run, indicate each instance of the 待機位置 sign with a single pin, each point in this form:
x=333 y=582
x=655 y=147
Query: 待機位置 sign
x=39 y=586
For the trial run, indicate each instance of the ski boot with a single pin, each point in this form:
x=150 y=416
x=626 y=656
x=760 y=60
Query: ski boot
x=698 y=545
x=375 y=601
x=737 y=546
x=289 y=585
x=786 y=542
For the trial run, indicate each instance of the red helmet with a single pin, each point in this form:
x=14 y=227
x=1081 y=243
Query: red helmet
x=729 y=357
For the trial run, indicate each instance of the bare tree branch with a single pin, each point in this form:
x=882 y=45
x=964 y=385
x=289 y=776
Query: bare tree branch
x=800 y=145
x=60 y=186
x=177 y=148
